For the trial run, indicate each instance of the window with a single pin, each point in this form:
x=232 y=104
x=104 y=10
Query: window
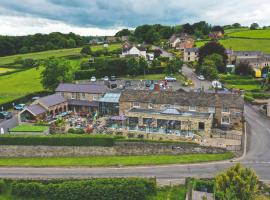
x=188 y=58
x=226 y=109
x=83 y=96
x=225 y=120
x=188 y=53
x=150 y=105
x=192 y=108
x=136 y=104
x=211 y=109
x=95 y=98
x=201 y=126
x=73 y=95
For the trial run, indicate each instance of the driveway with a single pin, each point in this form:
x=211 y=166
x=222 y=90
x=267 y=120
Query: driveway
x=10 y=123
x=164 y=52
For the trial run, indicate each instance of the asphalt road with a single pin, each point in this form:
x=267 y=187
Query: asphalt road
x=7 y=124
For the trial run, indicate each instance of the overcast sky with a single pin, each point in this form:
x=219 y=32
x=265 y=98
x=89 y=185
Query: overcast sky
x=105 y=17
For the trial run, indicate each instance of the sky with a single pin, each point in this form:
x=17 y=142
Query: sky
x=106 y=17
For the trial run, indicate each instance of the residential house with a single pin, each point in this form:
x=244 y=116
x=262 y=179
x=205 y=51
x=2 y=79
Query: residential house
x=182 y=111
x=132 y=50
x=82 y=98
x=216 y=35
x=44 y=107
x=234 y=56
x=111 y=39
x=191 y=54
x=125 y=38
x=181 y=41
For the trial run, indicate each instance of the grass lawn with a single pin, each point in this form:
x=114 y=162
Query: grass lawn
x=29 y=128
x=251 y=34
x=4 y=70
x=19 y=84
x=238 y=44
x=108 y=161
x=232 y=30
x=52 y=53
x=170 y=193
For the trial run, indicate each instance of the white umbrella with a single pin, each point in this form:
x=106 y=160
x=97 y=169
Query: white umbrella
x=2 y=131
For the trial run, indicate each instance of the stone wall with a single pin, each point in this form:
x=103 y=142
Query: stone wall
x=120 y=148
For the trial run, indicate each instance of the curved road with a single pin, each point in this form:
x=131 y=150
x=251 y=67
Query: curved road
x=257 y=157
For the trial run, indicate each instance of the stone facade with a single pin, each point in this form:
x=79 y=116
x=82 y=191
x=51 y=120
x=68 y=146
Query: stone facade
x=81 y=96
x=120 y=148
x=191 y=55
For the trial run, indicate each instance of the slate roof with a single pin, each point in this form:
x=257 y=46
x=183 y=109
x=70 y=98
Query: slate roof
x=184 y=98
x=84 y=88
x=36 y=109
x=244 y=53
x=52 y=100
x=196 y=50
x=75 y=102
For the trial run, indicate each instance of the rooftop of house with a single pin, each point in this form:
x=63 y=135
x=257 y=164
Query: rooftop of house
x=181 y=36
x=83 y=88
x=191 y=50
x=36 y=109
x=254 y=60
x=184 y=98
x=127 y=48
x=244 y=53
x=52 y=100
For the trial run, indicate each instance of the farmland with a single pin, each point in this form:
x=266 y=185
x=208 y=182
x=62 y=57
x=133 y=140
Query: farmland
x=256 y=34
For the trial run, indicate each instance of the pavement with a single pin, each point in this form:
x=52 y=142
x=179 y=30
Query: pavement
x=10 y=123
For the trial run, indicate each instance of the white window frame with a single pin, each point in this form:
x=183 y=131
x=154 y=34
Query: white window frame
x=224 y=108
x=150 y=106
x=95 y=97
x=83 y=96
x=136 y=105
x=226 y=123
x=73 y=95
x=192 y=108
x=211 y=109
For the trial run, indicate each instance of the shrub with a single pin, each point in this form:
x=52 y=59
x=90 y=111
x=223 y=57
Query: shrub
x=84 y=74
x=2 y=185
x=32 y=189
x=248 y=98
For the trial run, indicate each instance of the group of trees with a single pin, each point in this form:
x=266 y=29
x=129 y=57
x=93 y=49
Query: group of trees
x=10 y=45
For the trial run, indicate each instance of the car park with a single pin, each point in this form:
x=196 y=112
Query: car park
x=5 y=115
x=201 y=77
x=93 y=79
x=170 y=78
x=106 y=78
x=19 y=106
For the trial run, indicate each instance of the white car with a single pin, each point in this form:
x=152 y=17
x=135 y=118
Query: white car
x=93 y=79
x=216 y=84
x=201 y=77
x=106 y=78
x=170 y=78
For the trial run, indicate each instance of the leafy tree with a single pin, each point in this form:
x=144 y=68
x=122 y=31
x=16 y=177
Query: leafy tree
x=236 y=25
x=24 y=50
x=218 y=29
x=237 y=183
x=212 y=48
x=123 y=32
x=218 y=60
x=157 y=53
x=166 y=32
x=133 y=66
x=143 y=66
x=86 y=50
x=187 y=28
x=56 y=71
x=174 y=66
x=243 y=68
x=28 y=62
x=71 y=43
x=254 y=26
x=146 y=33
x=208 y=69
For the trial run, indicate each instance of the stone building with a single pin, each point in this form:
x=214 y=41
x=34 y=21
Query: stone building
x=182 y=111
x=181 y=41
x=82 y=98
x=191 y=55
x=44 y=107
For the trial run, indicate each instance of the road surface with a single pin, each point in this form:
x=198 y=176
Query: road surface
x=10 y=123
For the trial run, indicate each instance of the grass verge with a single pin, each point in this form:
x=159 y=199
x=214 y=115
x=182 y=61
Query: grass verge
x=170 y=193
x=109 y=161
x=29 y=128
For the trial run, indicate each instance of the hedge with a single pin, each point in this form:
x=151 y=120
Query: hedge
x=84 y=74
x=57 y=140
x=94 y=189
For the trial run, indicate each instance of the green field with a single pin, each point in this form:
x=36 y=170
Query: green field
x=177 y=192
x=252 y=34
x=4 y=70
x=232 y=30
x=19 y=84
x=29 y=128
x=108 y=161
x=52 y=53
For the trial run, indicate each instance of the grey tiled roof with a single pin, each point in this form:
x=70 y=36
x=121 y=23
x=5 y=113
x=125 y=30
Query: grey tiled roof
x=84 y=88
x=244 y=53
x=184 y=98
x=36 y=109
x=75 y=102
x=192 y=50
x=52 y=100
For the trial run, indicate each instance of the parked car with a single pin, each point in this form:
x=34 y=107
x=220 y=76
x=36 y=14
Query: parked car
x=201 y=77
x=112 y=78
x=148 y=83
x=5 y=115
x=113 y=85
x=106 y=78
x=127 y=83
x=35 y=98
x=93 y=79
x=19 y=106
x=170 y=78
x=216 y=84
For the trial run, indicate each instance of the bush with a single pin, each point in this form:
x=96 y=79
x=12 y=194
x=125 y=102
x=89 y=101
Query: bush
x=96 y=189
x=58 y=140
x=248 y=98
x=84 y=74
x=2 y=186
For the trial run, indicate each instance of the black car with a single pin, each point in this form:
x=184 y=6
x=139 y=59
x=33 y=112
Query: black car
x=113 y=85
x=5 y=115
x=112 y=78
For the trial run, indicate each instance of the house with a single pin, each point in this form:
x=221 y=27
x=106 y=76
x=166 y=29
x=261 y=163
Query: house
x=132 y=50
x=235 y=56
x=44 y=107
x=181 y=41
x=125 y=38
x=111 y=39
x=181 y=111
x=191 y=54
x=257 y=63
x=82 y=98
x=216 y=35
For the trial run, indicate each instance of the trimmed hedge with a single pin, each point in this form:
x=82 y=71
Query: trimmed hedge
x=58 y=140
x=95 y=189
x=84 y=74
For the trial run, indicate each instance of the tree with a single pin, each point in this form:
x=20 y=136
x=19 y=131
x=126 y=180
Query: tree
x=28 y=62
x=243 y=68
x=133 y=66
x=254 y=26
x=86 y=50
x=56 y=71
x=174 y=66
x=236 y=25
x=212 y=48
x=218 y=29
x=71 y=43
x=157 y=53
x=208 y=69
x=187 y=28
x=143 y=66
x=123 y=32
x=237 y=183
x=218 y=61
